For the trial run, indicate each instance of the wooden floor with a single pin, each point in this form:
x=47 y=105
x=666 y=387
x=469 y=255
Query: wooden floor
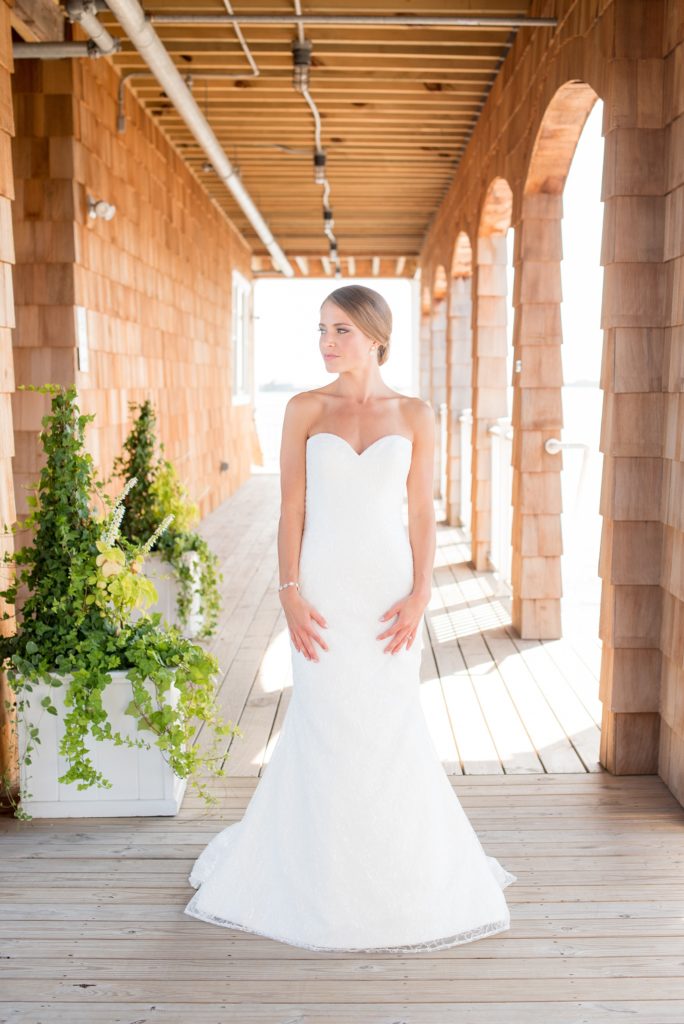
x=495 y=704
x=91 y=923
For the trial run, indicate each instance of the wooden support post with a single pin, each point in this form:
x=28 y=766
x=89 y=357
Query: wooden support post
x=489 y=381
x=459 y=394
x=438 y=382
x=633 y=317
x=537 y=416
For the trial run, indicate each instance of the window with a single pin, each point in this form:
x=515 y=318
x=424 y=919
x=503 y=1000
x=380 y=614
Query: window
x=240 y=338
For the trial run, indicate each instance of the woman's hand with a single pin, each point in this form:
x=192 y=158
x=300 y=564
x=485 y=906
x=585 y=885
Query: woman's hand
x=410 y=612
x=300 y=617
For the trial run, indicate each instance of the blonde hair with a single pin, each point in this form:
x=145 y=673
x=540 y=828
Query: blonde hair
x=369 y=311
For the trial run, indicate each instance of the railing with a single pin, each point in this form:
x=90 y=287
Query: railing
x=443 y=441
x=501 y=483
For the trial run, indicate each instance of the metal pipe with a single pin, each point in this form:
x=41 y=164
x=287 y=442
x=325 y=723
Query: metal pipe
x=132 y=19
x=85 y=13
x=301 y=52
x=52 y=51
x=447 y=21
x=243 y=43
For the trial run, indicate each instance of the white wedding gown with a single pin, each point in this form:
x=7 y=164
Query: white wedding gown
x=354 y=838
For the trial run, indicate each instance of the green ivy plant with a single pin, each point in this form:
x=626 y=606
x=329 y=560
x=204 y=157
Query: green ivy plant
x=168 y=497
x=83 y=580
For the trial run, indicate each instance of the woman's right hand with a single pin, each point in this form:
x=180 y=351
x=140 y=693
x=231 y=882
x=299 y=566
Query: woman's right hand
x=301 y=617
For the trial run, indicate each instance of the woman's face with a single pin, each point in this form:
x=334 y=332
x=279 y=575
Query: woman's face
x=343 y=346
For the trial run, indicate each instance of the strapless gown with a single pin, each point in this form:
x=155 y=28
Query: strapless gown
x=354 y=838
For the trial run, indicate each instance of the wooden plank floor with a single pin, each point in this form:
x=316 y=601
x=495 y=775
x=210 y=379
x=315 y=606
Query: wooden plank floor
x=92 y=929
x=495 y=704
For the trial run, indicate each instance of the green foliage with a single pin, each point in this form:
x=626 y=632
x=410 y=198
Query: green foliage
x=83 y=580
x=166 y=496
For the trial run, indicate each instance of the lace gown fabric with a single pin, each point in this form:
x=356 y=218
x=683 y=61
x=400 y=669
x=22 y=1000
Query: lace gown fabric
x=354 y=838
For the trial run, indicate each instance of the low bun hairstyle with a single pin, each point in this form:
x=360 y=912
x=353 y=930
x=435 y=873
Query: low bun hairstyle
x=369 y=311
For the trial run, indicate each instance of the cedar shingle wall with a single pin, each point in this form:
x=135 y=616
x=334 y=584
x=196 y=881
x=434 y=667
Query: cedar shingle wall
x=7 y=509
x=155 y=280
x=672 y=509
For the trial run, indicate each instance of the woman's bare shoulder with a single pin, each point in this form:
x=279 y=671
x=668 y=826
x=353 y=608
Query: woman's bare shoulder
x=419 y=416
x=302 y=409
x=303 y=400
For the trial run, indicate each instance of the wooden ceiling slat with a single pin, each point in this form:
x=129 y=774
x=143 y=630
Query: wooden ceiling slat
x=323 y=58
x=294 y=122
x=437 y=43
x=442 y=78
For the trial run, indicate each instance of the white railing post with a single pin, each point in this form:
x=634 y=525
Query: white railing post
x=466 y=422
x=501 y=479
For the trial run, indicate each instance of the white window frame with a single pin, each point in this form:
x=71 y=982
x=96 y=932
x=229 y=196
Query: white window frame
x=241 y=337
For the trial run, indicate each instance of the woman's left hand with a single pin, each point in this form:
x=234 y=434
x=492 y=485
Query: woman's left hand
x=410 y=612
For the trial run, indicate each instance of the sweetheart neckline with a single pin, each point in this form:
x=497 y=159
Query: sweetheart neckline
x=328 y=433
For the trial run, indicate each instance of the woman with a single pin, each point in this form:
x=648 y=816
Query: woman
x=354 y=838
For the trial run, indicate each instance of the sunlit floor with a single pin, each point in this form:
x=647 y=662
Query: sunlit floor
x=494 y=704
x=92 y=929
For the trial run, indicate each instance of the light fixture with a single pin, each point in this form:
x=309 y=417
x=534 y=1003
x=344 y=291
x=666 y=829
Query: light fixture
x=100 y=208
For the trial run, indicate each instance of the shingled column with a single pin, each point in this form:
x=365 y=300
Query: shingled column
x=635 y=181
x=438 y=383
x=459 y=375
x=489 y=381
x=537 y=417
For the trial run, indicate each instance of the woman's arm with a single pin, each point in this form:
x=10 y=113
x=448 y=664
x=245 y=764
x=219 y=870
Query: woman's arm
x=421 y=510
x=301 y=616
x=422 y=532
x=292 y=488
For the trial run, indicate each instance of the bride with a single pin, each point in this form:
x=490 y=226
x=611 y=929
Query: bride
x=354 y=838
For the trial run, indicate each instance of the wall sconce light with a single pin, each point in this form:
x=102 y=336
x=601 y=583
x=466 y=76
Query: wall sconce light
x=99 y=208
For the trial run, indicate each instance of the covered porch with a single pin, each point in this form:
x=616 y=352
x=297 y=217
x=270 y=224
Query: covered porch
x=565 y=746
x=92 y=926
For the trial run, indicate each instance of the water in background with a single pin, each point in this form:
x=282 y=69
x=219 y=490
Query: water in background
x=268 y=415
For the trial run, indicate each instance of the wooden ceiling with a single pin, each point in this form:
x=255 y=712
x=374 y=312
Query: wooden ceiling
x=397 y=105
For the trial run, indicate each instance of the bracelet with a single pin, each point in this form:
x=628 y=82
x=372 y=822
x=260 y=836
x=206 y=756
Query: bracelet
x=292 y=583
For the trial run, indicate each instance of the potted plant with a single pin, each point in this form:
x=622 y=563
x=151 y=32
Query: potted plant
x=183 y=567
x=87 y=679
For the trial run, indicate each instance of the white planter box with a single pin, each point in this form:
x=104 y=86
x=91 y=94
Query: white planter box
x=142 y=782
x=164 y=577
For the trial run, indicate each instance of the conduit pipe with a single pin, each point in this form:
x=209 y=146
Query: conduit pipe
x=132 y=19
x=301 y=52
x=455 y=20
x=100 y=43
x=85 y=13
x=386 y=20
x=53 y=51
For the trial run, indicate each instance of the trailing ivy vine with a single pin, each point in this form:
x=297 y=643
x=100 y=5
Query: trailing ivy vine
x=83 y=579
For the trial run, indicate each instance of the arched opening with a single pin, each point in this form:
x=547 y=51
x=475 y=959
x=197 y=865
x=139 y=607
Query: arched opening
x=538 y=379
x=582 y=399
